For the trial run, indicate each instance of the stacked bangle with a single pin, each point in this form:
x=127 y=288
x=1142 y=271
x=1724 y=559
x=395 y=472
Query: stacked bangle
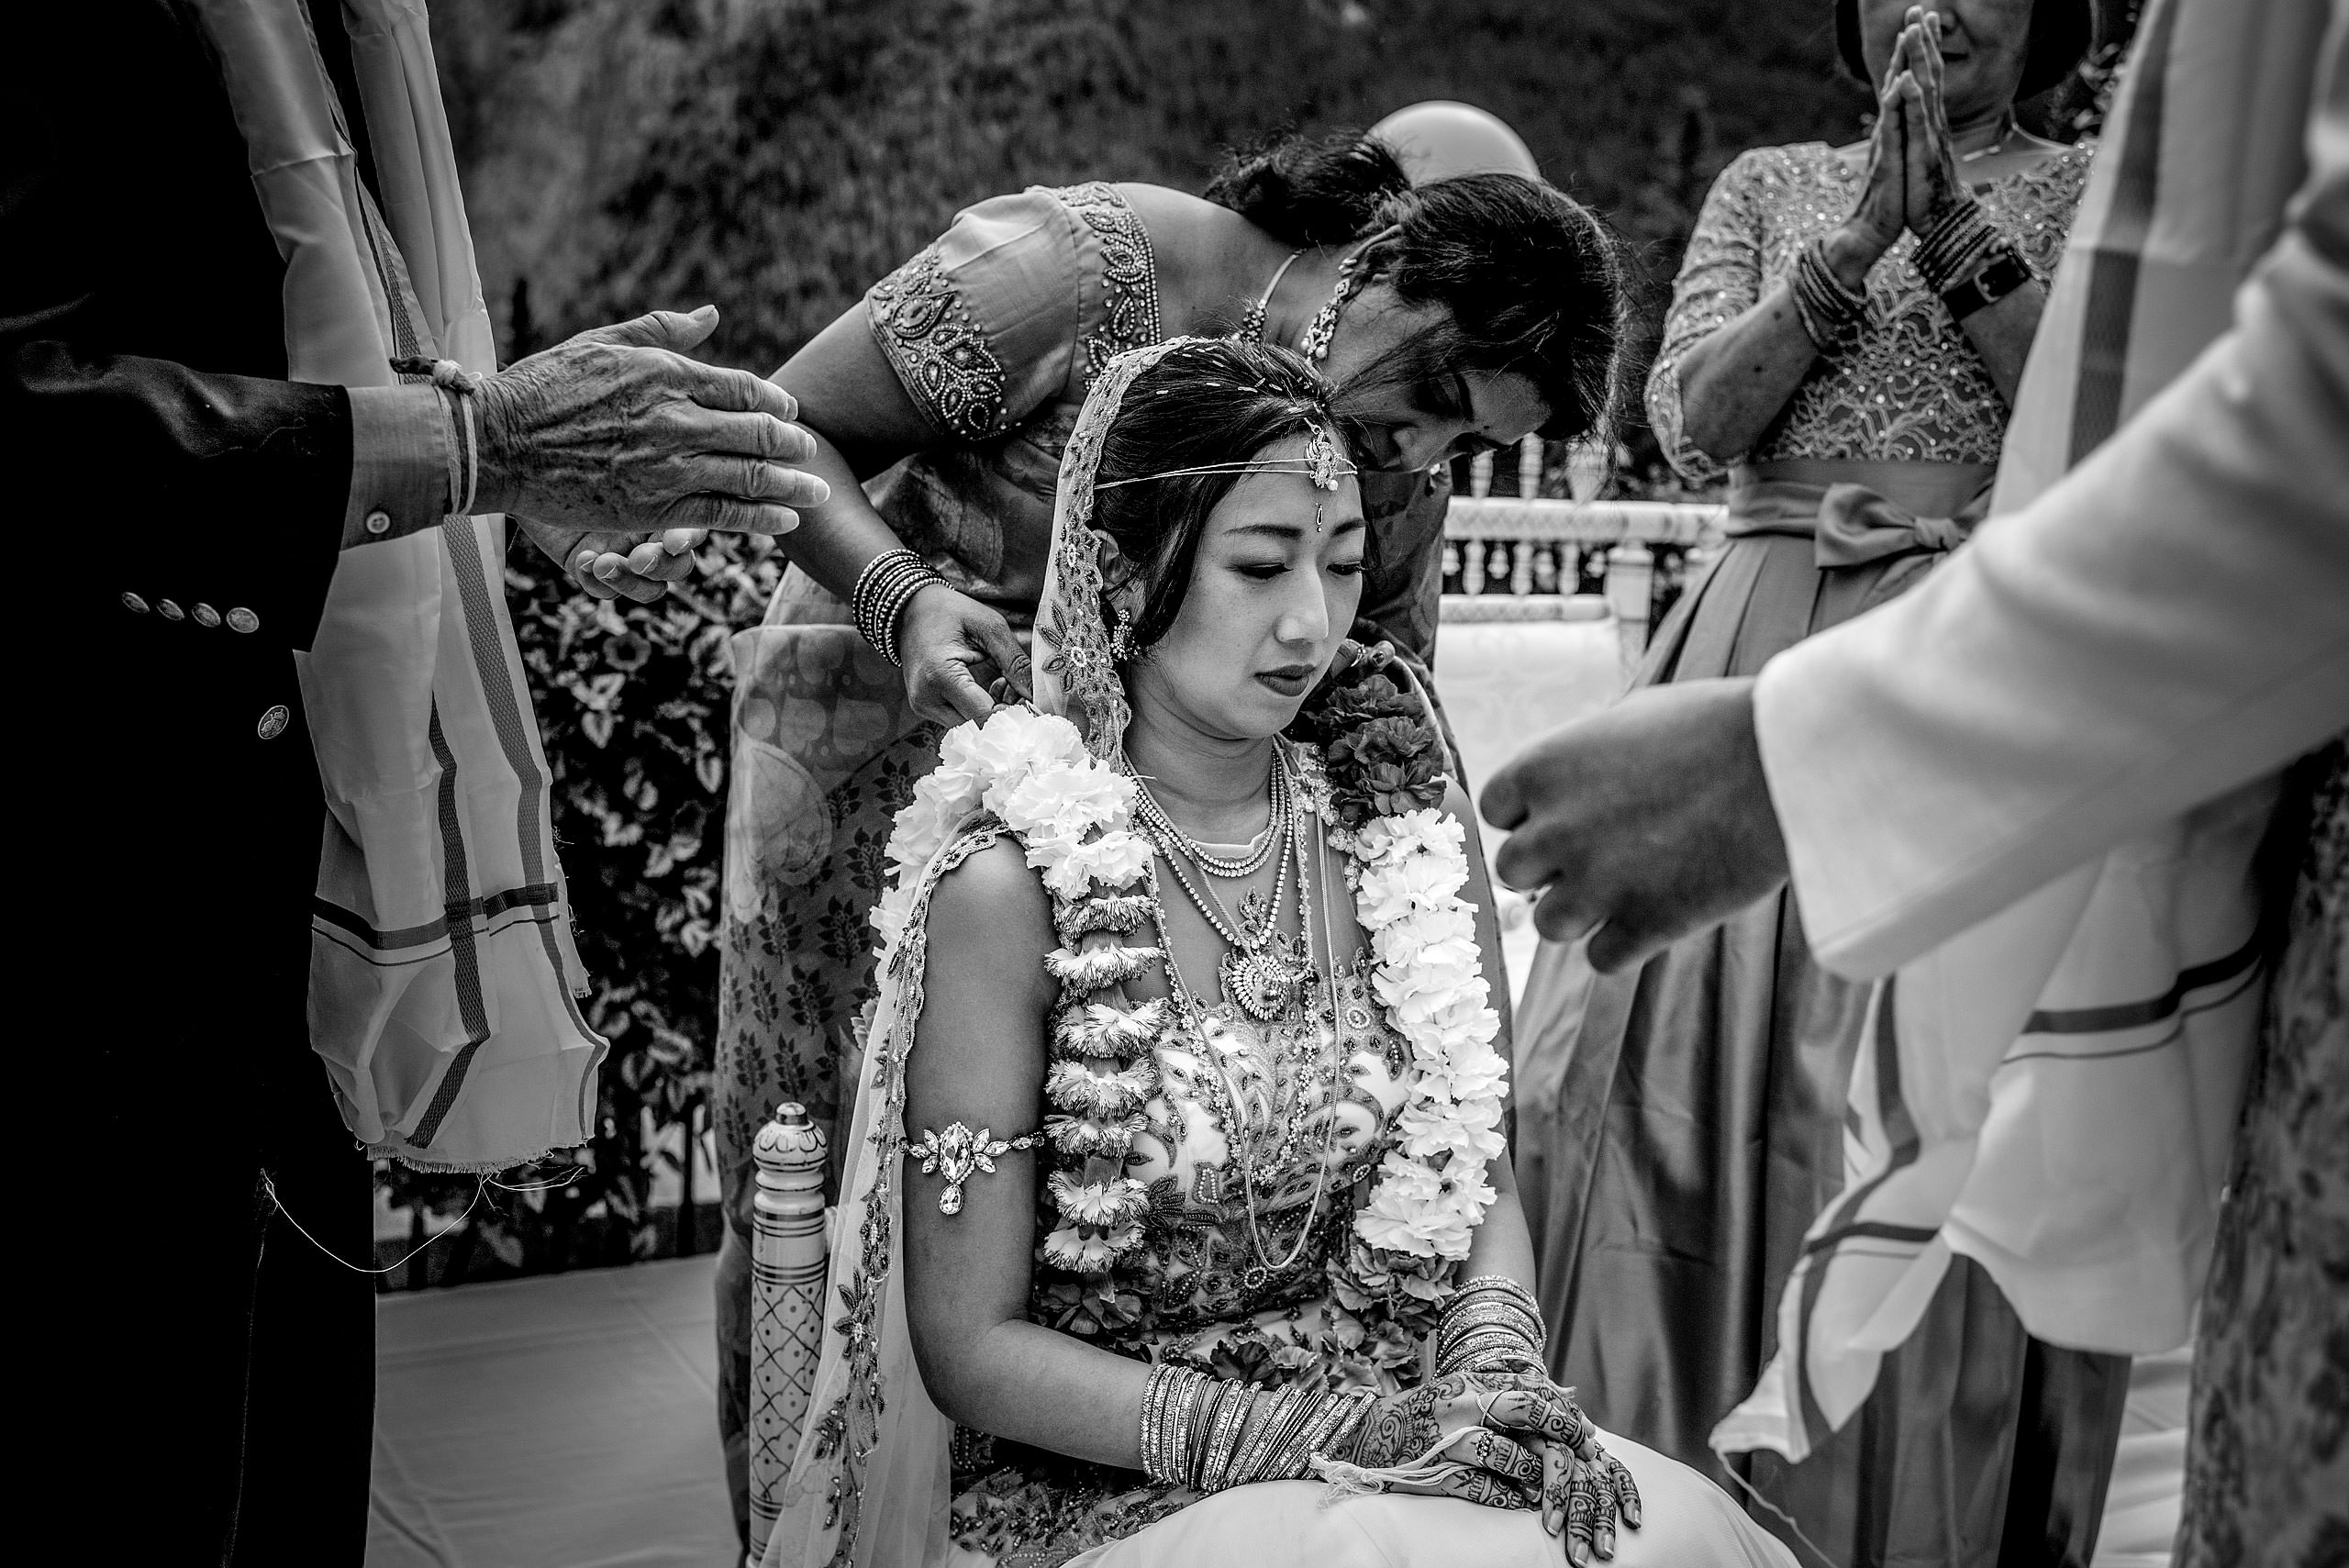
x=883 y=589
x=1210 y=1434
x=1487 y=1316
x=1965 y=258
x=1830 y=313
x=1957 y=244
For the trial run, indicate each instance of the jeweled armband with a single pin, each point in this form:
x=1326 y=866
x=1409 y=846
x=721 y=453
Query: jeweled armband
x=961 y=1154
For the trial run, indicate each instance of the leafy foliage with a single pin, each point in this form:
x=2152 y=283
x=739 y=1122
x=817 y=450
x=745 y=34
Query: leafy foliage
x=633 y=703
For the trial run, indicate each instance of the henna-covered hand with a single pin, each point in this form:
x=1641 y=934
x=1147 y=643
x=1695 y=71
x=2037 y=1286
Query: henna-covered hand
x=1443 y=1423
x=1584 y=1490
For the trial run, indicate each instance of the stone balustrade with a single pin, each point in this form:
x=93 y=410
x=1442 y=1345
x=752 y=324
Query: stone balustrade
x=1527 y=557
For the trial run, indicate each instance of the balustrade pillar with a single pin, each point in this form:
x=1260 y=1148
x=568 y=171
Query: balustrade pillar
x=1631 y=588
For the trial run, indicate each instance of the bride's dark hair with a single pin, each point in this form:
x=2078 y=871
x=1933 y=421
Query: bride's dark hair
x=1212 y=401
x=1533 y=281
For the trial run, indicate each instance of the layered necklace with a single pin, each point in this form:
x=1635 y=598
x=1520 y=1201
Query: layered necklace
x=1266 y=976
x=1269 y=979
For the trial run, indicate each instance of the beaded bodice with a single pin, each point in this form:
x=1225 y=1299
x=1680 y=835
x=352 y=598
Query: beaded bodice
x=1295 y=1112
x=1910 y=388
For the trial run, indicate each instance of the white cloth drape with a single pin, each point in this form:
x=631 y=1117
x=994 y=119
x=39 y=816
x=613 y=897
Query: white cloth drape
x=442 y=971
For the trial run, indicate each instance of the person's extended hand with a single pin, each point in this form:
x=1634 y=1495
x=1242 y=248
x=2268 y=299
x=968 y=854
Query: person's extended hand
x=615 y=565
x=943 y=637
x=1649 y=820
x=616 y=431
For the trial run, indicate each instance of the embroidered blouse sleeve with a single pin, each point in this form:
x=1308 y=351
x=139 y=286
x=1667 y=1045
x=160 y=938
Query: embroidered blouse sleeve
x=1720 y=278
x=981 y=325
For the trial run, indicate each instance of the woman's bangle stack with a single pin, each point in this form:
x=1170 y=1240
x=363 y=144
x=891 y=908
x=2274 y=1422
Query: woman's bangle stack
x=1488 y=1317
x=1210 y=1433
x=1831 y=313
x=1965 y=258
x=883 y=589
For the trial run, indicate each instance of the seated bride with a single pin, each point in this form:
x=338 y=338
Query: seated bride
x=1178 y=1226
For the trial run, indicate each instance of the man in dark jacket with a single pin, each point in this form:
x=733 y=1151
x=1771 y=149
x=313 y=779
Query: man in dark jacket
x=222 y=1359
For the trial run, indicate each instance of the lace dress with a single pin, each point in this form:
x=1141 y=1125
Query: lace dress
x=1682 y=1123
x=1910 y=388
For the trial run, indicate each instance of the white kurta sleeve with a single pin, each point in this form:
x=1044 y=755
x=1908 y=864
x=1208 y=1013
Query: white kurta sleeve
x=2169 y=621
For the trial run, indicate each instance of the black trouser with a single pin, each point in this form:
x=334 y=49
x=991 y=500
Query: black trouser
x=221 y=1400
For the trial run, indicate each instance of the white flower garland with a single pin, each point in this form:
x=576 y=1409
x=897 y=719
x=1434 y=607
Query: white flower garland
x=1074 y=813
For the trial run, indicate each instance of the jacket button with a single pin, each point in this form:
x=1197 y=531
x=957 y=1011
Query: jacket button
x=243 y=619
x=134 y=604
x=169 y=610
x=379 y=522
x=273 y=723
x=206 y=616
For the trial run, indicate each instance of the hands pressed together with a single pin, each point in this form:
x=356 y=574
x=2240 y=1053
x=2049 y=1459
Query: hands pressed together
x=1912 y=171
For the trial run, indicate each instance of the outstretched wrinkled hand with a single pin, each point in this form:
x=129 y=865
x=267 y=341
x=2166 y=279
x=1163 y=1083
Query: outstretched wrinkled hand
x=616 y=431
x=1646 y=822
x=1507 y=1440
x=619 y=566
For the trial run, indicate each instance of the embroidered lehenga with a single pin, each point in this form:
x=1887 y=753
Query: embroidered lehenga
x=1252 y=1141
x=1681 y=1124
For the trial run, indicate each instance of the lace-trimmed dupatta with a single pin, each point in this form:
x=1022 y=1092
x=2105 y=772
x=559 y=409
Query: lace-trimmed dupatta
x=869 y=1485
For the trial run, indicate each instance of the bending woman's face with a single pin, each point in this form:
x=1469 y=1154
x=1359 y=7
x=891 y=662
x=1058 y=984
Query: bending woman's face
x=1273 y=593
x=1414 y=414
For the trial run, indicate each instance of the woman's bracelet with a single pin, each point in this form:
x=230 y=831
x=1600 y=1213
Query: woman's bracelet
x=1830 y=314
x=1489 y=1315
x=1957 y=245
x=883 y=589
x=1211 y=1434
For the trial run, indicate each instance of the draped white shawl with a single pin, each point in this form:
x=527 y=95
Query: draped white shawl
x=442 y=969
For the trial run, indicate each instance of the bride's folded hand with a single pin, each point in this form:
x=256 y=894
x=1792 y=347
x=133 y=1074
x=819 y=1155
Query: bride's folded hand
x=1449 y=1434
x=1582 y=1490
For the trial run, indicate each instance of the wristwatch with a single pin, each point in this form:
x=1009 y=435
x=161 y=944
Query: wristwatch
x=2005 y=273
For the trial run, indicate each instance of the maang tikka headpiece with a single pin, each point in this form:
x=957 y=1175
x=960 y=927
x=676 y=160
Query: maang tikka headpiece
x=1322 y=463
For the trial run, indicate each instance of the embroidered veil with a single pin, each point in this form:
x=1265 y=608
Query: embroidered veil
x=869 y=1485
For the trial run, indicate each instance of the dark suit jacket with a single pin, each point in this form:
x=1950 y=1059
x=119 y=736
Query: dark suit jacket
x=156 y=453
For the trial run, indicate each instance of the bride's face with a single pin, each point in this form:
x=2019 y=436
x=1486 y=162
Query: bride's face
x=1273 y=593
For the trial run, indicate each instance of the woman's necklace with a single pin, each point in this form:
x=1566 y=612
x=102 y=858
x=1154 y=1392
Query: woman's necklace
x=1253 y=1172
x=1276 y=789
x=1251 y=326
x=2006 y=129
x=1265 y=977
